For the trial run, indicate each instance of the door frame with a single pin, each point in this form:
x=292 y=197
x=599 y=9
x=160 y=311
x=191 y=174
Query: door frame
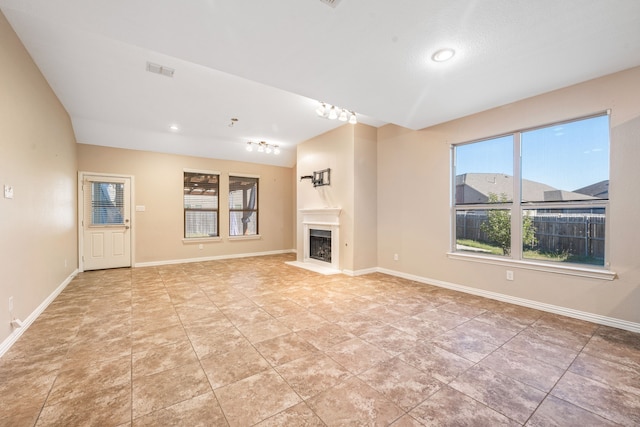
x=132 y=230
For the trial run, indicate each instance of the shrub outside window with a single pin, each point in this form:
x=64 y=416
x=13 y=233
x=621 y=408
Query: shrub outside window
x=554 y=178
x=201 y=192
x=243 y=206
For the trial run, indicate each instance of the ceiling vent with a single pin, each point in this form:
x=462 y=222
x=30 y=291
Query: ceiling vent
x=332 y=3
x=160 y=69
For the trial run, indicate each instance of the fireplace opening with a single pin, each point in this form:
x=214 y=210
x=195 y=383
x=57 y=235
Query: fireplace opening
x=320 y=245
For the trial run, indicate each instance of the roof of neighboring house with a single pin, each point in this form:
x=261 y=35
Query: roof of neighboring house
x=599 y=190
x=476 y=188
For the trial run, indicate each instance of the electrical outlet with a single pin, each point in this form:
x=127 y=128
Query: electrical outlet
x=10 y=304
x=200 y=246
x=396 y=257
x=509 y=275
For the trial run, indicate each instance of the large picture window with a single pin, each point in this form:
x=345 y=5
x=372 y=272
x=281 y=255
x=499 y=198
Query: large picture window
x=243 y=206
x=539 y=194
x=201 y=192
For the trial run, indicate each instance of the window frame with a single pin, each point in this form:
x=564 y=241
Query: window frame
x=255 y=210
x=190 y=209
x=516 y=207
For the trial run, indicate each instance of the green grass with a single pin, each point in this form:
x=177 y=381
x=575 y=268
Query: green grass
x=478 y=245
x=533 y=254
x=545 y=256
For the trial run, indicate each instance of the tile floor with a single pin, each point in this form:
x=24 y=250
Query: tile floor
x=256 y=342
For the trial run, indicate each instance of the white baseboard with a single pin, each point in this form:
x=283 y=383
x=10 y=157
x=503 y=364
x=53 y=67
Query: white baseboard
x=576 y=314
x=213 y=258
x=11 y=339
x=354 y=273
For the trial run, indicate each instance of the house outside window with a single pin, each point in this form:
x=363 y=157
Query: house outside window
x=201 y=192
x=243 y=206
x=538 y=195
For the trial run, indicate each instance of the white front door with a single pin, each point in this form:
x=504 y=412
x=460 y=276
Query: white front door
x=105 y=222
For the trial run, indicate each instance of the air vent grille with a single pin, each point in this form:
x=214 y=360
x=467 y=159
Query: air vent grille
x=332 y=3
x=160 y=69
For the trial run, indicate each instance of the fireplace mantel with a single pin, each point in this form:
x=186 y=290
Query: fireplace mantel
x=321 y=216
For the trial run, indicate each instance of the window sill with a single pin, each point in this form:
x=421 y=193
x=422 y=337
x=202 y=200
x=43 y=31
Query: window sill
x=252 y=237
x=201 y=240
x=572 y=270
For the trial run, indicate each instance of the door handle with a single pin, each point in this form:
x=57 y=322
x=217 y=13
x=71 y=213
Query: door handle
x=127 y=227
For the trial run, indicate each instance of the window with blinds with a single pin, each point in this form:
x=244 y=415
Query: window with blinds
x=201 y=192
x=104 y=203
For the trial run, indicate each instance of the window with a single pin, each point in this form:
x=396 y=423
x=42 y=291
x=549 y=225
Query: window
x=243 y=206
x=539 y=194
x=201 y=204
x=107 y=203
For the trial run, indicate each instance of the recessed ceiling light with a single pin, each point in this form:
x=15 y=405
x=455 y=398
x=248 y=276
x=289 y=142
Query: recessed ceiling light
x=443 y=55
x=174 y=128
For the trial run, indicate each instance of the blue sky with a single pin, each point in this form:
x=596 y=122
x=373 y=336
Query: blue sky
x=567 y=156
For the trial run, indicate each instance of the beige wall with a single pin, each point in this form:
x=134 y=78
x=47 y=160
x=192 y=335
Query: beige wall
x=158 y=183
x=350 y=151
x=414 y=199
x=37 y=157
x=365 y=196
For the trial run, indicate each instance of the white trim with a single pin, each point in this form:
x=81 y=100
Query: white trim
x=243 y=175
x=193 y=240
x=213 y=258
x=362 y=272
x=11 y=339
x=243 y=237
x=203 y=171
x=330 y=213
x=570 y=270
x=569 y=312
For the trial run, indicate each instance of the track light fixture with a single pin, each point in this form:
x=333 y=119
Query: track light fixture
x=332 y=112
x=263 y=147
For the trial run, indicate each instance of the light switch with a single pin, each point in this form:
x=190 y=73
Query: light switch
x=8 y=192
x=141 y=208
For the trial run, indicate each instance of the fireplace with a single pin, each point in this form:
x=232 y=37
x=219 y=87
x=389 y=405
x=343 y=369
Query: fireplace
x=320 y=245
x=320 y=240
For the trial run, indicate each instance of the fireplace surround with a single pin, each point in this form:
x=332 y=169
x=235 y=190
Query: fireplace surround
x=322 y=227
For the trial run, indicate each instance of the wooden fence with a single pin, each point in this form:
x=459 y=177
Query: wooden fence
x=580 y=234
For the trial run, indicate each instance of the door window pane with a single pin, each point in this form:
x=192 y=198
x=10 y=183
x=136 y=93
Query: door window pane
x=107 y=203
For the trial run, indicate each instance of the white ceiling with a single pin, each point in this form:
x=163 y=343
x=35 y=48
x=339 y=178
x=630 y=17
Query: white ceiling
x=268 y=63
